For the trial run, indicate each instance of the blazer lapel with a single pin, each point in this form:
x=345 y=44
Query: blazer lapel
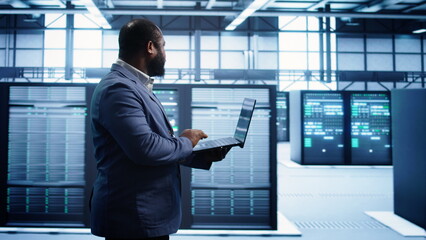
x=132 y=77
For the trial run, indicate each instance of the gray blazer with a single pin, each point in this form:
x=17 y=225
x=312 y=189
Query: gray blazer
x=137 y=189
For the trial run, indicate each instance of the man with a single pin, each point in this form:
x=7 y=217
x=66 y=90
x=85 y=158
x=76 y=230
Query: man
x=136 y=194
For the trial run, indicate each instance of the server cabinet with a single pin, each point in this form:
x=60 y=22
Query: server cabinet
x=317 y=127
x=240 y=191
x=282 y=116
x=45 y=163
x=409 y=154
x=340 y=127
x=370 y=124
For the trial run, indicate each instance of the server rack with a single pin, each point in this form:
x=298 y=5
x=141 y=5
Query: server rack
x=240 y=191
x=340 y=127
x=370 y=124
x=44 y=161
x=282 y=116
x=409 y=151
x=317 y=129
x=52 y=198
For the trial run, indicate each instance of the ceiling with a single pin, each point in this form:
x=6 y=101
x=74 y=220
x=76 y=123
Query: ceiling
x=390 y=9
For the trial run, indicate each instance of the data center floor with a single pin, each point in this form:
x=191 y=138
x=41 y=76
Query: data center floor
x=324 y=202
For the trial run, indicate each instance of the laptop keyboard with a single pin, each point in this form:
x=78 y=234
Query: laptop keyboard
x=217 y=142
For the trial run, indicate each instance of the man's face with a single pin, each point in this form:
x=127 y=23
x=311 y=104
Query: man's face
x=156 y=64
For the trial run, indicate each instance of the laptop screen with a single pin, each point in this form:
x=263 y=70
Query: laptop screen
x=244 y=120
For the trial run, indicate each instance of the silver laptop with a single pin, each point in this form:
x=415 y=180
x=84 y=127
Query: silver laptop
x=240 y=132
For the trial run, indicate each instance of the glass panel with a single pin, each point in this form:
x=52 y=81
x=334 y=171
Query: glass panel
x=109 y=57
x=379 y=62
x=87 y=58
x=293 y=61
x=267 y=60
x=110 y=40
x=232 y=60
x=29 y=40
x=88 y=39
x=54 y=39
x=350 y=44
x=82 y=21
x=408 y=62
x=313 y=24
x=210 y=60
x=333 y=42
x=292 y=23
x=293 y=41
x=267 y=43
x=2 y=58
x=177 y=59
x=28 y=58
x=407 y=45
x=379 y=45
x=3 y=38
x=54 y=58
x=347 y=61
x=333 y=61
x=316 y=85
x=314 y=63
x=234 y=42
x=177 y=42
x=313 y=42
x=209 y=42
x=55 y=20
x=9 y=61
x=424 y=61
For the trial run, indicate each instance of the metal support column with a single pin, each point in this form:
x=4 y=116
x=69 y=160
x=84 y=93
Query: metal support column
x=321 y=46
x=197 y=50
x=69 y=44
x=328 y=42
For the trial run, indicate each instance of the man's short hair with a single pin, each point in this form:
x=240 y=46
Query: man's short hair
x=134 y=37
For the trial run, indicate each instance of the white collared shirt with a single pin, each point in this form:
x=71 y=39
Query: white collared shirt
x=143 y=77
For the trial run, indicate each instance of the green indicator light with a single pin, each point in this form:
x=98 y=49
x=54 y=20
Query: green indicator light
x=308 y=142
x=355 y=142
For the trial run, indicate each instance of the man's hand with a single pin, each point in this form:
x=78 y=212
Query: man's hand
x=194 y=135
x=215 y=155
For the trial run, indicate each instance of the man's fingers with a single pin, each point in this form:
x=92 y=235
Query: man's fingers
x=194 y=135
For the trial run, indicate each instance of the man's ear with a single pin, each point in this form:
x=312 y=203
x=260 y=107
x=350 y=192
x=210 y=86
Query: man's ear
x=150 y=48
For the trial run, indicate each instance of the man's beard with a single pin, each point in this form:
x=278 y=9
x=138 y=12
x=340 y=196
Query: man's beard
x=156 y=66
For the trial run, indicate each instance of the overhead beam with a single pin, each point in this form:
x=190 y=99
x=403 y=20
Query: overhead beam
x=96 y=13
x=320 y=4
x=210 y=4
x=18 y=4
x=418 y=7
x=213 y=13
x=160 y=4
x=267 y=5
x=59 y=3
x=246 y=13
x=377 y=5
x=110 y=4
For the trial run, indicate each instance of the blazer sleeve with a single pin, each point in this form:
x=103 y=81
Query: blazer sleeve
x=120 y=111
